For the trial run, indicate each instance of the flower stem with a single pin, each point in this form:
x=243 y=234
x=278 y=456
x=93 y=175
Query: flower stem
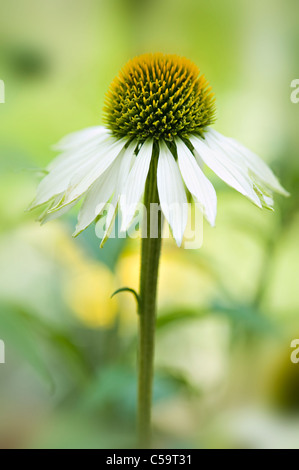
x=150 y=255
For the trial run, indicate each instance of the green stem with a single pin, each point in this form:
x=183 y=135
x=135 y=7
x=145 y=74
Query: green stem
x=150 y=255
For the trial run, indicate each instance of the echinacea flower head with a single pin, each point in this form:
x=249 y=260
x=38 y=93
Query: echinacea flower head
x=158 y=104
x=160 y=97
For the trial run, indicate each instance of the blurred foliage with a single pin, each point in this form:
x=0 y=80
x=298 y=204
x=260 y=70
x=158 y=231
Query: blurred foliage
x=227 y=312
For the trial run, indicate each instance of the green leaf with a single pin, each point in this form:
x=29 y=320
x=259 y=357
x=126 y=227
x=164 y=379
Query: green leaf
x=181 y=314
x=27 y=332
x=247 y=316
x=15 y=332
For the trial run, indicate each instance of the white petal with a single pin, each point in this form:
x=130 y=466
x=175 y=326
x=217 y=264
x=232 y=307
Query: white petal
x=101 y=191
x=172 y=193
x=110 y=218
x=46 y=217
x=80 y=183
x=78 y=153
x=265 y=194
x=125 y=166
x=59 y=178
x=97 y=197
x=80 y=137
x=253 y=161
x=123 y=172
x=51 y=204
x=57 y=181
x=265 y=198
x=135 y=184
x=215 y=157
x=197 y=183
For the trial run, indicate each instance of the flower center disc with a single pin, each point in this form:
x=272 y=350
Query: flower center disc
x=159 y=96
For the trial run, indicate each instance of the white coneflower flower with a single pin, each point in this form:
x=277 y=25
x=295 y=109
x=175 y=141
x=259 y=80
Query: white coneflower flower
x=162 y=103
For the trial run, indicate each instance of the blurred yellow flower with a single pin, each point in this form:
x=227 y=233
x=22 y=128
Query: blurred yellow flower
x=88 y=284
x=88 y=293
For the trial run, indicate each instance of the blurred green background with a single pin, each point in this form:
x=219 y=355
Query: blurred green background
x=227 y=312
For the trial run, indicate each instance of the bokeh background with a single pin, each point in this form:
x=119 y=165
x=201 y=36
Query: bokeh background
x=227 y=312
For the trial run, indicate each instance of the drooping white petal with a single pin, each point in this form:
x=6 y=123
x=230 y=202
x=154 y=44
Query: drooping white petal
x=75 y=139
x=123 y=173
x=265 y=194
x=197 y=183
x=215 y=157
x=125 y=166
x=135 y=184
x=172 y=193
x=77 y=154
x=46 y=217
x=79 y=184
x=59 y=178
x=110 y=219
x=97 y=197
x=254 y=163
x=51 y=204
